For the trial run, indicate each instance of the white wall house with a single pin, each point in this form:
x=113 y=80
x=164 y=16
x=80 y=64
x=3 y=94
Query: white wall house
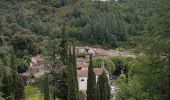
x=83 y=74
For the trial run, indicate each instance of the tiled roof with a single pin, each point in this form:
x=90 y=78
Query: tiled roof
x=84 y=73
x=82 y=64
x=82 y=60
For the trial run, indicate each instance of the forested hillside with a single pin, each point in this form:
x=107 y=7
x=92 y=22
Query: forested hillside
x=106 y=23
x=49 y=27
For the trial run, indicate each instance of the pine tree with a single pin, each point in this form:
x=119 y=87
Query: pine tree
x=91 y=82
x=104 y=87
x=46 y=88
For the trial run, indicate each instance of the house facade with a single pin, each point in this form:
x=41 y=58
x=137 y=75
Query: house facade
x=82 y=76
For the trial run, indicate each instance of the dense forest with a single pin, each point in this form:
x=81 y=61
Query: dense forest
x=54 y=27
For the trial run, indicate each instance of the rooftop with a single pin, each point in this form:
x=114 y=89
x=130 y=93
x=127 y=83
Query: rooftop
x=82 y=60
x=84 y=73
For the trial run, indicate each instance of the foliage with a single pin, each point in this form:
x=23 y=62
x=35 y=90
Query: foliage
x=149 y=75
x=30 y=91
x=13 y=85
x=120 y=63
x=141 y=80
x=139 y=24
x=103 y=61
x=91 y=82
x=46 y=88
x=104 y=87
x=22 y=65
x=36 y=97
x=72 y=92
x=64 y=46
x=61 y=84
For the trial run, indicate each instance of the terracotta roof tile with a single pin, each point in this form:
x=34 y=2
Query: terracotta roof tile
x=82 y=60
x=82 y=64
x=84 y=73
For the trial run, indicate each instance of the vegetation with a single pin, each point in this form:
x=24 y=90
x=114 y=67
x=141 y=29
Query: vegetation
x=31 y=27
x=148 y=76
x=30 y=91
x=104 y=87
x=46 y=89
x=102 y=62
x=91 y=82
x=72 y=92
x=13 y=87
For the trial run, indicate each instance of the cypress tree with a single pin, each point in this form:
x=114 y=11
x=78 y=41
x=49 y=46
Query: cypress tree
x=6 y=80
x=72 y=93
x=46 y=88
x=69 y=69
x=64 y=46
x=15 y=82
x=91 y=82
x=75 y=68
x=97 y=92
x=18 y=86
x=104 y=87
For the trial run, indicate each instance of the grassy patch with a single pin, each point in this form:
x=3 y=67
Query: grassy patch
x=35 y=97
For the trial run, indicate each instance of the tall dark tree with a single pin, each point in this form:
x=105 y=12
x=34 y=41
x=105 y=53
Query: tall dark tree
x=46 y=89
x=104 y=87
x=72 y=92
x=52 y=51
x=64 y=46
x=61 y=83
x=6 y=80
x=5 y=75
x=61 y=80
x=17 y=86
x=75 y=66
x=91 y=82
x=97 y=92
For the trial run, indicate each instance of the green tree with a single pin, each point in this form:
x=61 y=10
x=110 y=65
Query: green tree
x=91 y=82
x=1 y=77
x=72 y=92
x=46 y=88
x=104 y=87
x=64 y=46
x=104 y=61
x=52 y=51
x=97 y=92
x=16 y=85
x=13 y=85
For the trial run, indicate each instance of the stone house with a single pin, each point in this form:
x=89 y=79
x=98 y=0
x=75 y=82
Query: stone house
x=37 y=67
x=83 y=74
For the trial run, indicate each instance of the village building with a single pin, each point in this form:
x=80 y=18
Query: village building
x=85 y=50
x=82 y=63
x=80 y=50
x=82 y=76
x=99 y=52
x=37 y=67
